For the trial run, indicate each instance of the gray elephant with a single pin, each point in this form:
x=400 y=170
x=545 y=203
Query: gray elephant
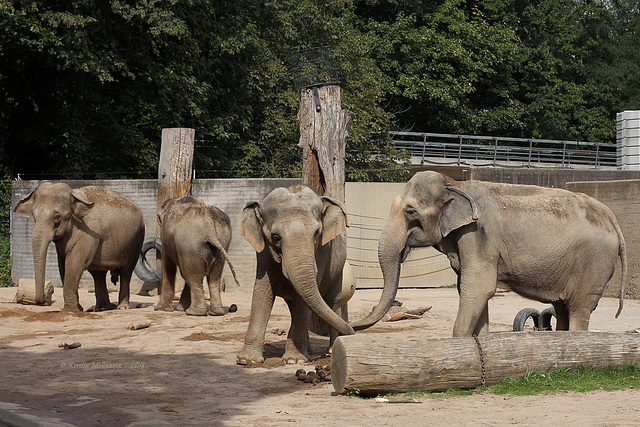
x=93 y=229
x=300 y=257
x=195 y=238
x=548 y=245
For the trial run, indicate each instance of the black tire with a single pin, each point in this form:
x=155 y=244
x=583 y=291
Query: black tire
x=141 y=270
x=522 y=317
x=545 y=319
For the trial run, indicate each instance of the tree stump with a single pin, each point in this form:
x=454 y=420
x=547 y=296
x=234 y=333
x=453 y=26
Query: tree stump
x=377 y=365
x=27 y=292
x=323 y=138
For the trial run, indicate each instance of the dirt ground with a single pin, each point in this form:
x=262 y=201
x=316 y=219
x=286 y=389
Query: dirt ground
x=181 y=370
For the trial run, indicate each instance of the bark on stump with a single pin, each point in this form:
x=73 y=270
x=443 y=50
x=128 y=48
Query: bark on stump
x=377 y=365
x=27 y=292
x=323 y=138
x=175 y=166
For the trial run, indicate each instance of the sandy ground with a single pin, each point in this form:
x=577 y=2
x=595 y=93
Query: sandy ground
x=181 y=370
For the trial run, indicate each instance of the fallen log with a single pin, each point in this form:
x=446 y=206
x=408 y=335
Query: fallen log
x=379 y=365
x=26 y=293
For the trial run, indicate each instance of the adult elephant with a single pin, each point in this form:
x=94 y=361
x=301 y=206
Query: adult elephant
x=93 y=229
x=300 y=257
x=195 y=238
x=549 y=245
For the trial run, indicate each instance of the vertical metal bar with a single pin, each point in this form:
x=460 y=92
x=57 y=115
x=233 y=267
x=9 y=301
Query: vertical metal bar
x=495 y=150
x=424 y=146
x=564 y=151
x=530 y=149
x=597 y=155
x=459 y=149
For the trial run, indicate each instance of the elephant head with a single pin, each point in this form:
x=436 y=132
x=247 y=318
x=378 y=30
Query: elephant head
x=292 y=224
x=427 y=211
x=54 y=207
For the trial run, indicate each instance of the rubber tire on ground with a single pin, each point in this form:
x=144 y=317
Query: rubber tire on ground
x=545 y=318
x=141 y=269
x=523 y=315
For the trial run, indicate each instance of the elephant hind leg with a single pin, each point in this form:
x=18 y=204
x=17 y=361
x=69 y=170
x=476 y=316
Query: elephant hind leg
x=125 y=287
x=297 y=348
x=193 y=282
x=213 y=279
x=185 y=298
x=102 y=294
x=562 y=316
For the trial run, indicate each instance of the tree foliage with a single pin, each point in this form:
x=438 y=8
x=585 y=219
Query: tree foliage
x=87 y=86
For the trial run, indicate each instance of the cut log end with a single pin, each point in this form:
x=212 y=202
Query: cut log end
x=27 y=292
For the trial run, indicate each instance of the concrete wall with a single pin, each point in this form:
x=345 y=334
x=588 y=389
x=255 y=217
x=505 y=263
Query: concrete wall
x=230 y=195
x=367 y=205
x=623 y=198
x=553 y=178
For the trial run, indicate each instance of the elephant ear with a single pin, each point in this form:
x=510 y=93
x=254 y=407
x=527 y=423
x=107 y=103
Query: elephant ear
x=459 y=210
x=80 y=205
x=25 y=205
x=251 y=226
x=334 y=219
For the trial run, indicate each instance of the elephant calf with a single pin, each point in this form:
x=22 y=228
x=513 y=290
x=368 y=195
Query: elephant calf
x=300 y=257
x=546 y=244
x=195 y=238
x=94 y=229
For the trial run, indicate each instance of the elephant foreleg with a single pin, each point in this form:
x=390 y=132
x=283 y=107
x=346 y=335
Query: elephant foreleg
x=70 y=284
x=261 y=306
x=477 y=286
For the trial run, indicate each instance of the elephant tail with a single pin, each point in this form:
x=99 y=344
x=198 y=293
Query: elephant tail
x=622 y=252
x=213 y=240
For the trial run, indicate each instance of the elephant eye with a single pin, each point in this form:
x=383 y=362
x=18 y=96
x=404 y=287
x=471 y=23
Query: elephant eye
x=57 y=218
x=411 y=212
x=275 y=239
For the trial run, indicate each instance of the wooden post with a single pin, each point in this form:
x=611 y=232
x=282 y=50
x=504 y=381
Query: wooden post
x=379 y=365
x=176 y=160
x=323 y=138
x=174 y=177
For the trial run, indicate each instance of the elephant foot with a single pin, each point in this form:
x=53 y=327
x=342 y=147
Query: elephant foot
x=196 y=311
x=216 y=311
x=104 y=307
x=181 y=307
x=124 y=305
x=71 y=308
x=294 y=357
x=247 y=356
x=164 y=307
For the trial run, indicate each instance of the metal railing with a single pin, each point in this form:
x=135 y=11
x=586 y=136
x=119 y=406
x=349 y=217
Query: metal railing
x=503 y=152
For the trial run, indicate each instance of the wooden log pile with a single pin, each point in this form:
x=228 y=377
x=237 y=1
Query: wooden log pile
x=379 y=365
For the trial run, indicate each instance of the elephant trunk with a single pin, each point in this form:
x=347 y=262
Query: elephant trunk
x=301 y=271
x=390 y=254
x=42 y=237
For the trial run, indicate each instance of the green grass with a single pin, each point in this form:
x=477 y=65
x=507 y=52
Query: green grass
x=554 y=381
